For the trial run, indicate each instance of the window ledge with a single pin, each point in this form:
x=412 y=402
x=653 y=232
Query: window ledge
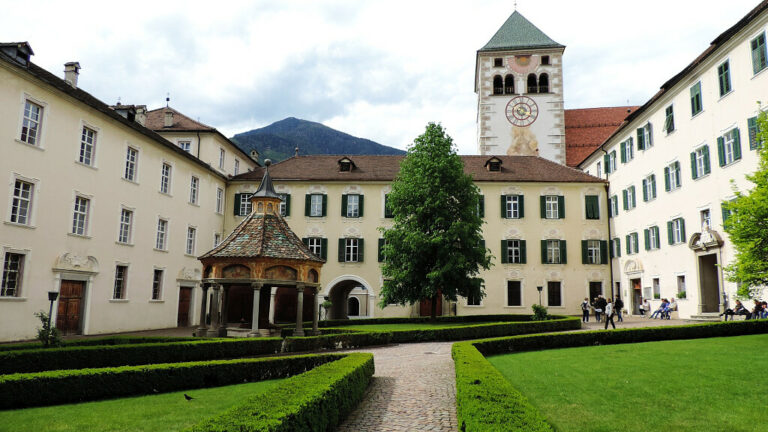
x=20 y=225
x=753 y=76
x=36 y=147
x=82 y=236
x=156 y=301
x=317 y=218
x=86 y=165
x=705 y=175
x=725 y=95
x=133 y=182
x=160 y=250
x=12 y=299
x=514 y=307
x=733 y=162
x=697 y=114
x=193 y=204
x=168 y=194
x=670 y=132
x=190 y=255
x=124 y=244
x=119 y=300
x=474 y=306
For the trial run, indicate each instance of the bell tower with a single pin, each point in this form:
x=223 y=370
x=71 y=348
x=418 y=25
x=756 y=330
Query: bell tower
x=519 y=86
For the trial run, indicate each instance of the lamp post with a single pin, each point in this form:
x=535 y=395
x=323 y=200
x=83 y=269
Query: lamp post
x=540 y=289
x=52 y=296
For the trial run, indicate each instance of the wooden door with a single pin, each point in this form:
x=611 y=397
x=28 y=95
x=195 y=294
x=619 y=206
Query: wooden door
x=68 y=319
x=185 y=295
x=425 y=306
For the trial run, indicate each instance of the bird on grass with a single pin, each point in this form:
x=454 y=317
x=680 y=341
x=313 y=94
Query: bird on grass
x=188 y=397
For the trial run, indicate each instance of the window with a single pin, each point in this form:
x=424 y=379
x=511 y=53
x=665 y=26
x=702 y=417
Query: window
x=222 y=155
x=387 y=210
x=514 y=293
x=543 y=83
x=509 y=87
x=706 y=219
x=131 y=164
x=121 y=275
x=599 y=169
x=157 y=284
x=186 y=146
x=594 y=252
x=681 y=286
x=552 y=207
x=30 y=127
x=758 y=53
x=352 y=206
x=13 y=269
x=21 y=207
x=351 y=250
x=87 y=146
x=676 y=231
x=669 y=119
x=545 y=60
x=473 y=300
x=672 y=176
x=345 y=166
x=315 y=205
x=628 y=198
x=595 y=289
x=513 y=252
x=237 y=167
x=126 y=226
x=696 y=106
x=80 y=217
x=645 y=137
x=614 y=205
x=700 y=162
x=553 y=252
x=627 y=150
x=729 y=147
x=651 y=235
x=554 y=295
x=512 y=206
x=216 y=239
x=649 y=187
x=609 y=161
x=165 y=178
x=498 y=85
x=480 y=206
x=317 y=245
x=383 y=242
x=724 y=78
x=191 y=239
x=753 y=130
x=532 y=85
x=219 y=200
x=632 y=244
x=243 y=205
x=194 y=185
x=498 y=62
x=592 y=205
x=656 y=288
x=162 y=231
x=616 y=248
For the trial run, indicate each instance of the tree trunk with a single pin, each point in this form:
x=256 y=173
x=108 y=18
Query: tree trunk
x=433 y=309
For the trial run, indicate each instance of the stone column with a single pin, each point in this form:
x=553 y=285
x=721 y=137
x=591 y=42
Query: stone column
x=371 y=304
x=316 y=312
x=214 y=330
x=203 y=329
x=255 y=317
x=272 y=305
x=223 y=308
x=299 y=310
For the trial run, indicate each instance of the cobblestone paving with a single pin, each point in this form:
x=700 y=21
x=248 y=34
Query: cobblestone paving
x=413 y=390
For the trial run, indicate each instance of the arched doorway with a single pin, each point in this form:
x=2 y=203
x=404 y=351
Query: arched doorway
x=350 y=297
x=353 y=306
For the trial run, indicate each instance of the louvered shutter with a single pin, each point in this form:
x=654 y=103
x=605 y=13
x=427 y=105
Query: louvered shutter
x=481 y=206
x=670 y=233
x=752 y=132
x=237 y=199
x=603 y=251
x=623 y=147
x=360 y=250
x=344 y=205
x=647 y=235
x=504 y=207
x=563 y=253
x=721 y=150
x=584 y=252
x=362 y=204
x=694 y=171
x=381 y=250
x=325 y=205
x=653 y=185
x=287 y=198
x=504 y=252
x=666 y=179
x=705 y=151
x=682 y=229
x=523 y=252
x=628 y=245
x=543 y=251
x=736 y=144
x=307 y=204
x=645 y=190
x=521 y=206
x=624 y=199
x=543 y=202
x=607 y=164
x=560 y=207
x=640 y=139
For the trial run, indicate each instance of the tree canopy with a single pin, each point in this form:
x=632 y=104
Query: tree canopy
x=435 y=246
x=747 y=225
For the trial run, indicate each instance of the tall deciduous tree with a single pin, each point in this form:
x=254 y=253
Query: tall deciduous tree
x=435 y=245
x=747 y=225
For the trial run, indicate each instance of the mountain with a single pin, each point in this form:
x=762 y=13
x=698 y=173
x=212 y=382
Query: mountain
x=279 y=140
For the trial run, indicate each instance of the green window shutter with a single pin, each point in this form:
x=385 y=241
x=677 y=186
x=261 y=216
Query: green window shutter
x=752 y=132
x=666 y=179
x=238 y=197
x=670 y=233
x=387 y=209
x=563 y=253
x=653 y=185
x=650 y=135
x=521 y=206
x=362 y=204
x=504 y=252
x=682 y=229
x=287 y=204
x=307 y=204
x=721 y=150
x=503 y=206
x=624 y=199
x=543 y=202
x=677 y=173
x=628 y=245
x=736 y=144
x=341 y=249
x=603 y=251
x=584 y=257
x=623 y=152
x=592 y=207
x=705 y=151
x=523 y=252
x=481 y=205
x=360 y=250
x=325 y=205
x=694 y=173
x=324 y=248
x=640 y=139
x=725 y=212
x=381 y=250
x=344 y=205
x=543 y=251
x=634 y=196
x=645 y=190
x=305 y=240
x=637 y=243
x=607 y=163
x=560 y=207
x=647 y=235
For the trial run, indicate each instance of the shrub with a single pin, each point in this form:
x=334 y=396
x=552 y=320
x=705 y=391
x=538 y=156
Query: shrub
x=317 y=400
x=108 y=340
x=539 y=313
x=440 y=319
x=47 y=335
x=69 y=386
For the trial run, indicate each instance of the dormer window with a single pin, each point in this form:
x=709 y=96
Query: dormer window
x=19 y=51
x=346 y=165
x=493 y=164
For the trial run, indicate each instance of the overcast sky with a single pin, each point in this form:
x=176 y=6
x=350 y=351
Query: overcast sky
x=375 y=69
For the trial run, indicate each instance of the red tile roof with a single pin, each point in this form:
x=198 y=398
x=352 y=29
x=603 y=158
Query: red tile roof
x=156 y=121
x=587 y=128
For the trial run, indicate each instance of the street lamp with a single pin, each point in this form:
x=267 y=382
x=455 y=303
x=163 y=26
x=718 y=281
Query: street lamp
x=540 y=288
x=52 y=296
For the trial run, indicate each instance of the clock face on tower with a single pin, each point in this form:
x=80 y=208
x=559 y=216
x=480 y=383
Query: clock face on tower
x=522 y=111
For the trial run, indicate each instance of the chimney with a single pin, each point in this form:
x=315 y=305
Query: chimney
x=168 y=119
x=71 y=72
x=141 y=114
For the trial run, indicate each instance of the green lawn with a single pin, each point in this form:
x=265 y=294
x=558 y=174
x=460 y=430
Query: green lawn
x=713 y=384
x=162 y=412
x=406 y=326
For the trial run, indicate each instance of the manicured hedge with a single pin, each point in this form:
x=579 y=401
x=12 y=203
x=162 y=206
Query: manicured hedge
x=108 y=340
x=344 y=340
x=70 y=386
x=317 y=400
x=440 y=319
x=486 y=401
x=79 y=357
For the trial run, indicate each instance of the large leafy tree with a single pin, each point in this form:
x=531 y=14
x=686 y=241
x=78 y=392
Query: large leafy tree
x=435 y=245
x=747 y=225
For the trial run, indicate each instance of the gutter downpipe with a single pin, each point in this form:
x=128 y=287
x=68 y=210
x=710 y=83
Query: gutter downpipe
x=199 y=144
x=610 y=241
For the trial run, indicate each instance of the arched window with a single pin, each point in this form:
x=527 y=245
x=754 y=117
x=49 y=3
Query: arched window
x=532 y=87
x=509 y=84
x=543 y=83
x=498 y=85
x=353 y=306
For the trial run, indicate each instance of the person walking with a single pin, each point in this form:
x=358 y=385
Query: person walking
x=585 y=310
x=609 y=314
x=596 y=307
x=619 y=305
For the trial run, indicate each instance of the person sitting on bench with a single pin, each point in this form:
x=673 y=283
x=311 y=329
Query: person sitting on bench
x=657 y=312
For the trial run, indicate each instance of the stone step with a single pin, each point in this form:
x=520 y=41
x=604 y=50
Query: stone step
x=707 y=317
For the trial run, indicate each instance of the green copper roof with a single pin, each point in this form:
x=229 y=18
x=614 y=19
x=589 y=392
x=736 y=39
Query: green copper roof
x=518 y=33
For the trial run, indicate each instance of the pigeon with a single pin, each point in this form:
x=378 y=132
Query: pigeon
x=188 y=397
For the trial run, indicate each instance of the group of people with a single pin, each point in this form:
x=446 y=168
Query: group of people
x=665 y=309
x=760 y=310
x=603 y=308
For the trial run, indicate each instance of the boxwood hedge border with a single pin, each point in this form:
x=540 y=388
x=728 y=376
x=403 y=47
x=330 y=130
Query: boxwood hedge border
x=108 y=340
x=485 y=400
